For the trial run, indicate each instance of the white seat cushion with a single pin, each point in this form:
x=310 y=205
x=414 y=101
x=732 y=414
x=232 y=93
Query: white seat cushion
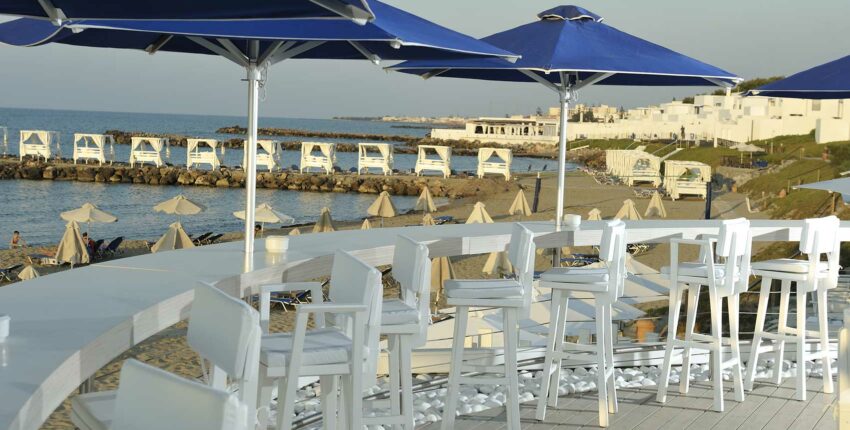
x=789 y=265
x=93 y=411
x=395 y=311
x=576 y=275
x=696 y=270
x=482 y=288
x=321 y=346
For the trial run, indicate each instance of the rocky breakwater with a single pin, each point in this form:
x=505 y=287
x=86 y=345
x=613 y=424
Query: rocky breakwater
x=456 y=187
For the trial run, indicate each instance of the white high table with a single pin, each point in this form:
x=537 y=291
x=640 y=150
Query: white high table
x=67 y=325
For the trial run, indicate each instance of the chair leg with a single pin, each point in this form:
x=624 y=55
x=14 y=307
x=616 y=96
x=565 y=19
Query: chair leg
x=455 y=367
x=690 y=324
x=717 y=353
x=394 y=374
x=734 y=341
x=801 y=343
x=511 y=333
x=265 y=389
x=355 y=414
x=286 y=390
x=330 y=396
x=405 y=352
x=761 y=314
x=674 y=304
x=559 y=347
x=782 y=328
x=609 y=361
x=823 y=331
x=549 y=360
x=601 y=378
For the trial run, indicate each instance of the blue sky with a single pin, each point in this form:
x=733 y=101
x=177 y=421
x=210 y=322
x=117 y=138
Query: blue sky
x=748 y=37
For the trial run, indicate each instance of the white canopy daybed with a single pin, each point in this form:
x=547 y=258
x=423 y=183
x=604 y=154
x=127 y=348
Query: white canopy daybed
x=38 y=143
x=268 y=153
x=325 y=161
x=375 y=156
x=633 y=166
x=502 y=166
x=4 y=139
x=686 y=178
x=90 y=147
x=197 y=154
x=441 y=164
x=139 y=152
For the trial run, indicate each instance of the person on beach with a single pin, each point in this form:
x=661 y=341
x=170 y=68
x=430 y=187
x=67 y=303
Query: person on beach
x=258 y=230
x=17 y=241
x=89 y=243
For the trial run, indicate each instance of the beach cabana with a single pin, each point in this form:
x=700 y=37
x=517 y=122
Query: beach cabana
x=147 y=150
x=494 y=160
x=325 y=223
x=268 y=154
x=38 y=143
x=375 y=156
x=656 y=207
x=520 y=205
x=92 y=147
x=323 y=159
x=202 y=151
x=686 y=178
x=628 y=212
x=4 y=139
x=434 y=158
x=643 y=167
x=72 y=249
x=174 y=238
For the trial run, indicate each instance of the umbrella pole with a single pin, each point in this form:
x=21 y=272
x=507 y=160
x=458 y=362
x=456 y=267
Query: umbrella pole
x=563 y=92
x=253 y=73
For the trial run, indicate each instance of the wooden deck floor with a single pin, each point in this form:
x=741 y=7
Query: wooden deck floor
x=766 y=407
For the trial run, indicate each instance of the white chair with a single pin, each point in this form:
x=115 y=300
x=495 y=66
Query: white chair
x=606 y=285
x=223 y=330
x=405 y=322
x=511 y=295
x=724 y=279
x=150 y=398
x=813 y=275
x=343 y=347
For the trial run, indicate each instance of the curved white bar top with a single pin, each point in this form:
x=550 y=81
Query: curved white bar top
x=67 y=325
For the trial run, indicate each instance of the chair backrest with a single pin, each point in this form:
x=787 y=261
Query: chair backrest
x=357 y=283
x=612 y=250
x=412 y=270
x=150 y=398
x=521 y=255
x=226 y=331
x=820 y=236
x=734 y=243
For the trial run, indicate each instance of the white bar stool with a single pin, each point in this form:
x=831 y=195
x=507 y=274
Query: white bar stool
x=724 y=279
x=405 y=322
x=606 y=285
x=820 y=236
x=511 y=295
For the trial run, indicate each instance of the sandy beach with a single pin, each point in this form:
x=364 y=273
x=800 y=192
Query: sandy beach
x=169 y=351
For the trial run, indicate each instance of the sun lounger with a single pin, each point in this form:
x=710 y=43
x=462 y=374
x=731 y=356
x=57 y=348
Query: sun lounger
x=112 y=249
x=200 y=239
x=43 y=259
x=6 y=274
x=212 y=239
x=440 y=220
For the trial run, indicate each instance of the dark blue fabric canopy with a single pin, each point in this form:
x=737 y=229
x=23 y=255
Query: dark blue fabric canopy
x=827 y=81
x=393 y=35
x=573 y=39
x=187 y=9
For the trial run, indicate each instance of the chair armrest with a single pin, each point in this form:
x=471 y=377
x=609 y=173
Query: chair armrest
x=315 y=289
x=699 y=242
x=332 y=308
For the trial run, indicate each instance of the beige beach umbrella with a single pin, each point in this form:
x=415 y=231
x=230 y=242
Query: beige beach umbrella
x=366 y=225
x=656 y=207
x=179 y=205
x=383 y=207
x=295 y=232
x=479 y=215
x=594 y=215
x=174 y=238
x=325 y=223
x=497 y=264
x=628 y=211
x=520 y=205
x=29 y=272
x=441 y=271
x=425 y=202
x=88 y=213
x=427 y=219
x=265 y=213
x=71 y=248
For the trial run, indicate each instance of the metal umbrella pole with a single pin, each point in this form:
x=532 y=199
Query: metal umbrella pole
x=253 y=78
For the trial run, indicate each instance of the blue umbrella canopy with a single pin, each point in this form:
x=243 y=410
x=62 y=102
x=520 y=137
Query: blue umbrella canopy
x=568 y=48
x=62 y=10
x=254 y=44
x=827 y=81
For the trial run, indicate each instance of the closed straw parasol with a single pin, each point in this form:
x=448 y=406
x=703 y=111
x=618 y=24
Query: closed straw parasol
x=427 y=219
x=628 y=211
x=520 y=205
x=325 y=223
x=366 y=225
x=295 y=232
x=425 y=202
x=479 y=215
x=594 y=215
x=29 y=272
x=656 y=207
x=174 y=238
x=71 y=248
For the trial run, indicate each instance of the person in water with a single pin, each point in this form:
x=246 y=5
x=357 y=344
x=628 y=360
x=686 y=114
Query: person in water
x=17 y=241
